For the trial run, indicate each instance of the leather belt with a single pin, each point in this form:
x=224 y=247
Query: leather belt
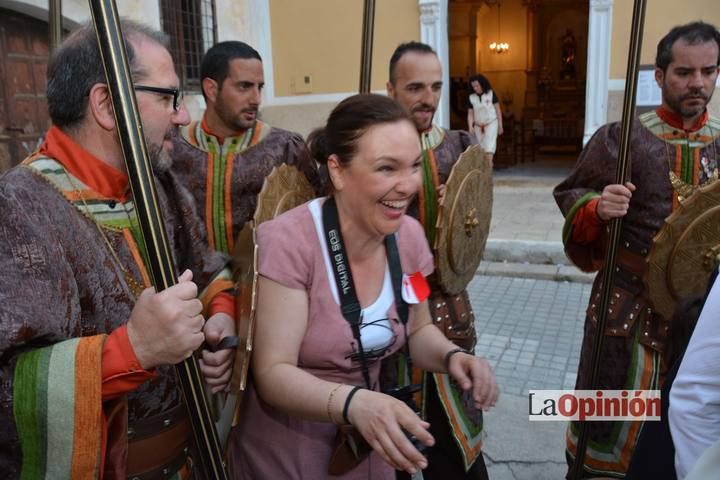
x=158 y=446
x=631 y=261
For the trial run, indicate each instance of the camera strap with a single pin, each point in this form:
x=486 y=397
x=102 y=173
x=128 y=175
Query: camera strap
x=349 y=304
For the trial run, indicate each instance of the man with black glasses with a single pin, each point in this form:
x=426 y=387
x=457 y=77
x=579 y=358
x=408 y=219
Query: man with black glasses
x=87 y=383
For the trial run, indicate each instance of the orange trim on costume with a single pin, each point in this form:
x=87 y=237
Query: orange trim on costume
x=92 y=171
x=209 y=200
x=256 y=133
x=632 y=434
x=193 y=135
x=228 y=201
x=421 y=206
x=80 y=195
x=675 y=121
x=137 y=257
x=212 y=290
x=586 y=225
x=696 y=166
x=87 y=440
x=223 y=302
x=121 y=370
x=433 y=167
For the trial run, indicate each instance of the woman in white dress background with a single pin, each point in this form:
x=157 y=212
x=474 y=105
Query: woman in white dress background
x=484 y=115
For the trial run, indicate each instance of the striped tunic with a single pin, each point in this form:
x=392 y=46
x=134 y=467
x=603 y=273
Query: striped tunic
x=62 y=289
x=225 y=178
x=632 y=355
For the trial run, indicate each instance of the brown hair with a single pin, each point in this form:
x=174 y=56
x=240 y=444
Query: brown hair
x=348 y=121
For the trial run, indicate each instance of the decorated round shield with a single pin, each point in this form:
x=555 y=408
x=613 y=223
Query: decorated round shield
x=463 y=220
x=685 y=251
x=285 y=188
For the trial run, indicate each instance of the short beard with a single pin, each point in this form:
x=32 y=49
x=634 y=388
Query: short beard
x=233 y=123
x=160 y=160
x=675 y=104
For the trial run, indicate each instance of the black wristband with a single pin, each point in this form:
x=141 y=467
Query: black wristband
x=450 y=354
x=347 y=404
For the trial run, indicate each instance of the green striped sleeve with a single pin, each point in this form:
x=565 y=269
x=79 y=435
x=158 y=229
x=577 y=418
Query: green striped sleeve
x=567 y=227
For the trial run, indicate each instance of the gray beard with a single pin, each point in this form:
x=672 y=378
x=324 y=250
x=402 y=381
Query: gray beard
x=159 y=159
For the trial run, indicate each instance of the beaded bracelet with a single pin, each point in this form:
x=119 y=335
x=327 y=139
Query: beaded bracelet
x=450 y=354
x=347 y=404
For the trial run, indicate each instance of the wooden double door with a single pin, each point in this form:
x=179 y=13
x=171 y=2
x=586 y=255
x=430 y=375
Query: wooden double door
x=24 y=117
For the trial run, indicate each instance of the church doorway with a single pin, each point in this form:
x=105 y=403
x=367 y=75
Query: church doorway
x=537 y=69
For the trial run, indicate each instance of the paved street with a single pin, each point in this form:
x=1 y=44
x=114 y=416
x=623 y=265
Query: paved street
x=529 y=327
x=530 y=330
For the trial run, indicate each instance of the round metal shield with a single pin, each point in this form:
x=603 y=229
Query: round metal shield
x=463 y=220
x=685 y=251
x=284 y=188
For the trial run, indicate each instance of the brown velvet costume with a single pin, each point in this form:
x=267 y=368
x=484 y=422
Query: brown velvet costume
x=60 y=281
x=248 y=168
x=445 y=459
x=635 y=335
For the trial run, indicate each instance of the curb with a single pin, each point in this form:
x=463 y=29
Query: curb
x=525 y=251
x=557 y=273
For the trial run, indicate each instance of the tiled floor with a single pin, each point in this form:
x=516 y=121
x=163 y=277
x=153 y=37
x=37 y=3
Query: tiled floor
x=529 y=330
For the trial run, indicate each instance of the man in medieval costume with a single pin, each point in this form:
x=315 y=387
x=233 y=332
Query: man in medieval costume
x=88 y=387
x=674 y=149
x=416 y=83
x=224 y=158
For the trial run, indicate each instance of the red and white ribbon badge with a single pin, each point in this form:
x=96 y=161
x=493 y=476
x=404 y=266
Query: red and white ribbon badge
x=415 y=288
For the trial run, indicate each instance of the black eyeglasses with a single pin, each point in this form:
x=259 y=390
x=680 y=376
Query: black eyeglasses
x=176 y=93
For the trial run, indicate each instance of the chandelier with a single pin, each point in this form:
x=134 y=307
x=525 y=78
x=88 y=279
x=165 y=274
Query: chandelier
x=499 y=47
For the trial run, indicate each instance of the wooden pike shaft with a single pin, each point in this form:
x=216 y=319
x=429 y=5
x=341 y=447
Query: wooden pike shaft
x=160 y=263
x=622 y=176
x=367 y=45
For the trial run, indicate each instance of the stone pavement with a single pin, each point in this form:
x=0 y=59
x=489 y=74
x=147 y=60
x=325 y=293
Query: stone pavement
x=530 y=331
x=526 y=228
x=529 y=306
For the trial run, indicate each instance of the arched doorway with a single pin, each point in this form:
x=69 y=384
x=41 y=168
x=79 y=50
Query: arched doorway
x=23 y=108
x=540 y=80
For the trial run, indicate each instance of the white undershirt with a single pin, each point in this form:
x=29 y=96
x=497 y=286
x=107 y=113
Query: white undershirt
x=375 y=330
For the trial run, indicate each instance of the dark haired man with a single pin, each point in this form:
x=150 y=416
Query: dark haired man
x=416 y=83
x=224 y=158
x=87 y=383
x=674 y=149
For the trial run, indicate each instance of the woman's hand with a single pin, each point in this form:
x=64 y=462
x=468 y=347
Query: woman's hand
x=381 y=420
x=473 y=372
x=216 y=367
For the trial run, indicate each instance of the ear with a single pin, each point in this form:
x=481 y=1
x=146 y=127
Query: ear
x=335 y=170
x=659 y=77
x=210 y=89
x=390 y=90
x=100 y=106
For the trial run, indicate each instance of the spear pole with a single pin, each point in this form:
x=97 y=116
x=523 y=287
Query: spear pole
x=55 y=22
x=622 y=175
x=367 y=45
x=160 y=263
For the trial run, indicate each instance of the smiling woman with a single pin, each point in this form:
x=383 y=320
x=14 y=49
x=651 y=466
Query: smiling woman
x=330 y=308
